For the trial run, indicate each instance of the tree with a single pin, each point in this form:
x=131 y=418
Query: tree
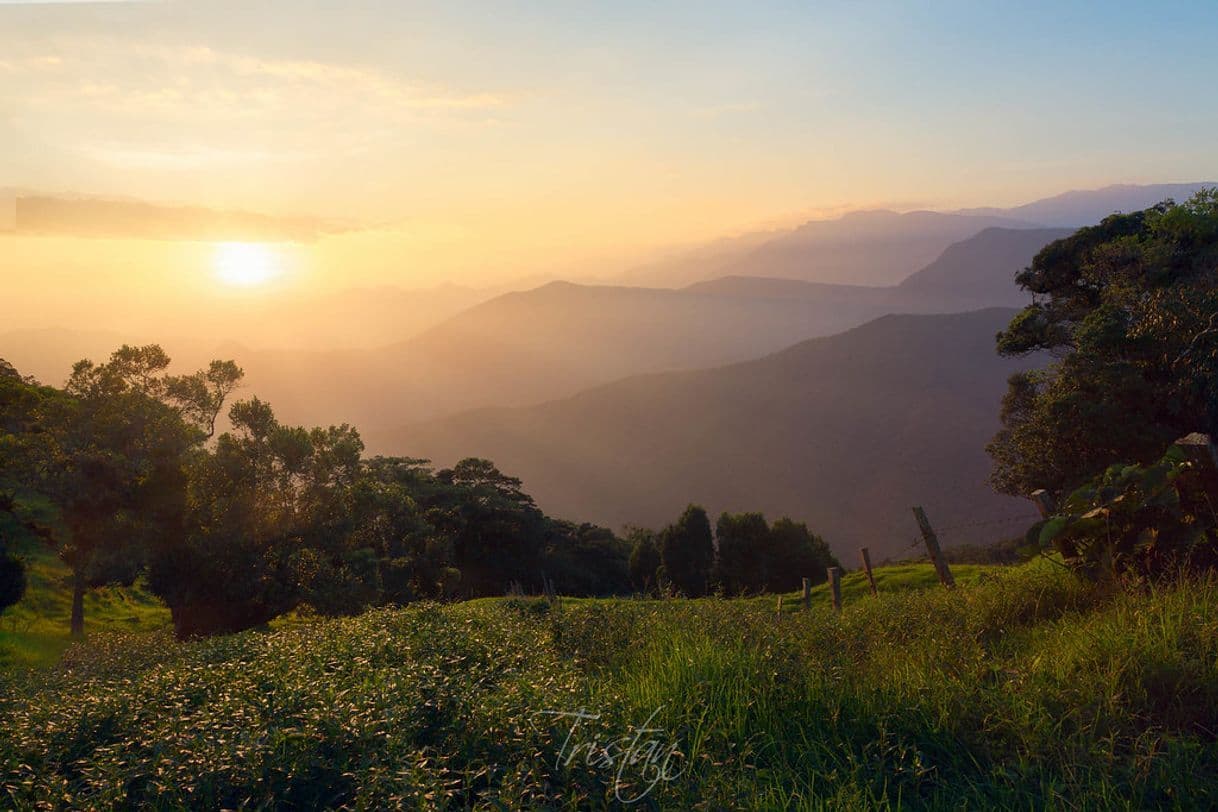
x=585 y=559
x=798 y=553
x=19 y=398
x=412 y=560
x=496 y=530
x=688 y=552
x=110 y=451
x=745 y=562
x=1129 y=311
x=645 y=560
x=267 y=517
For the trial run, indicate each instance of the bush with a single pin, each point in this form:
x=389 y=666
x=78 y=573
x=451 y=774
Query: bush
x=1033 y=690
x=1145 y=520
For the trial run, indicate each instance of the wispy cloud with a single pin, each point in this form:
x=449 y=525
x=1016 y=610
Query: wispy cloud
x=94 y=217
x=141 y=98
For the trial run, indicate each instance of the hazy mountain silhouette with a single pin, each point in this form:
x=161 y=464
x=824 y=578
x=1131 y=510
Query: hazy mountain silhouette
x=980 y=271
x=554 y=341
x=357 y=318
x=846 y=431
x=883 y=247
x=861 y=248
x=973 y=273
x=1083 y=207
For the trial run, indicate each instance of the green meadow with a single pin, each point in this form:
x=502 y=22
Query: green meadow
x=1022 y=688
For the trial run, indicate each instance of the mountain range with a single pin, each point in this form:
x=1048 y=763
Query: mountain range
x=846 y=432
x=558 y=339
x=778 y=376
x=882 y=247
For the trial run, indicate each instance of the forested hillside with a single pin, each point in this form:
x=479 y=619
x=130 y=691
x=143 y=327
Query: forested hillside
x=846 y=432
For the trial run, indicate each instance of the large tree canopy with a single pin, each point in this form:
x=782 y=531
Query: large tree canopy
x=109 y=451
x=1129 y=311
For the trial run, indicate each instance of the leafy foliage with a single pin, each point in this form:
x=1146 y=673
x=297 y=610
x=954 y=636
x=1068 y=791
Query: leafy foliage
x=1030 y=690
x=109 y=450
x=1140 y=519
x=744 y=560
x=755 y=557
x=269 y=517
x=1130 y=309
x=688 y=552
x=798 y=553
x=645 y=561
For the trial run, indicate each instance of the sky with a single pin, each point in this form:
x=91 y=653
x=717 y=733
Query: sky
x=487 y=143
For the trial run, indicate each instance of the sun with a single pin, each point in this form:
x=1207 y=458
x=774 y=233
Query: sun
x=246 y=264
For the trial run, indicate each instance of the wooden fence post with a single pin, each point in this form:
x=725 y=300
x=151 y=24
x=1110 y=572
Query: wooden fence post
x=867 y=569
x=1044 y=502
x=780 y=607
x=807 y=593
x=932 y=547
x=835 y=586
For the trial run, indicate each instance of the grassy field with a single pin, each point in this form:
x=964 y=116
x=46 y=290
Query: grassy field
x=895 y=578
x=1024 y=688
x=34 y=633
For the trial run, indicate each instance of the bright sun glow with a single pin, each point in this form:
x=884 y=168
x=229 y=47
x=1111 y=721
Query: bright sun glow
x=246 y=264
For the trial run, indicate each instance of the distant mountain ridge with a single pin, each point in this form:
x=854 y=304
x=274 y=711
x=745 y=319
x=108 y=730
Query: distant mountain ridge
x=882 y=247
x=846 y=432
x=1079 y=208
x=556 y=340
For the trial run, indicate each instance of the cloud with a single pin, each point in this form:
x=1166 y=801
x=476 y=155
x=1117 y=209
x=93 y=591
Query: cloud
x=168 y=79
x=142 y=105
x=91 y=217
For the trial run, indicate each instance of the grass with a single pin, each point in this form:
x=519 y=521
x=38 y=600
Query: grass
x=888 y=579
x=34 y=633
x=1021 y=689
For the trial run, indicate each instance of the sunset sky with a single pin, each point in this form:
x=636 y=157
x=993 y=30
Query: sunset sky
x=482 y=143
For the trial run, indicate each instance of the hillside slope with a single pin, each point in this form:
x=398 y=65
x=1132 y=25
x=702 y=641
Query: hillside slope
x=871 y=248
x=882 y=247
x=557 y=340
x=846 y=432
x=554 y=341
x=1081 y=207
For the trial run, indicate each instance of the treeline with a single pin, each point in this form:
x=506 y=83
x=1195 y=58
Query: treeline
x=235 y=530
x=750 y=556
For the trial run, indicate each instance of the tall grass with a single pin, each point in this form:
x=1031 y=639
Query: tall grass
x=1024 y=690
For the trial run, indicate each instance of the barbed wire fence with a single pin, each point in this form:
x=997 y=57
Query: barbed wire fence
x=1024 y=519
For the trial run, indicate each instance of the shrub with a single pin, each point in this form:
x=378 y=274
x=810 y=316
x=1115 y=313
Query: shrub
x=1146 y=520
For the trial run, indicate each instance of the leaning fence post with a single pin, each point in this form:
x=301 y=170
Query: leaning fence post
x=807 y=593
x=932 y=547
x=835 y=587
x=867 y=569
x=1043 y=501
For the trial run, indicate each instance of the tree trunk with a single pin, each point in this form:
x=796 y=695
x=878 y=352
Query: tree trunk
x=78 y=605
